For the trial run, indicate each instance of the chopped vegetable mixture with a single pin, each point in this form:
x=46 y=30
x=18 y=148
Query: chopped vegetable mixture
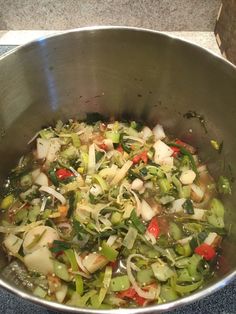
x=108 y=215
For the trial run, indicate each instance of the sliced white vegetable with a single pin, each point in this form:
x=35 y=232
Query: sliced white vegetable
x=108 y=173
x=212 y=236
x=13 y=243
x=168 y=161
x=41 y=179
x=146 y=133
x=96 y=190
x=22 y=228
x=54 y=148
x=185 y=240
x=187 y=177
x=39 y=261
x=48 y=235
x=42 y=148
x=80 y=263
x=61 y=293
x=199 y=214
x=137 y=185
x=177 y=205
x=54 y=193
x=158 y=132
x=197 y=193
x=94 y=261
x=162 y=151
x=147 y=212
x=109 y=144
x=35 y=173
x=121 y=173
x=91 y=159
x=111 y=240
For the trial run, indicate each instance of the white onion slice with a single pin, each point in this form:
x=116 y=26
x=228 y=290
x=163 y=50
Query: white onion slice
x=158 y=132
x=54 y=193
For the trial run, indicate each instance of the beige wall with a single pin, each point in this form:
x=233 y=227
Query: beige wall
x=188 y=15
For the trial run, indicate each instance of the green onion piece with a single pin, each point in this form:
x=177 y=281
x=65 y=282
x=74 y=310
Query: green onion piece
x=71 y=257
x=215 y=221
x=168 y=294
x=81 y=301
x=183 y=262
x=126 y=148
x=130 y=238
x=7 y=202
x=119 y=283
x=53 y=177
x=116 y=218
x=107 y=277
x=185 y=162
x=21 y=215
x=186 y=288
x=107 y=251
x=165 y=185
x=145 y=276
x=155 y=170
x=162 y=271
x=113 y=135
x=178 y=186
x=75 y=140
x=184 y=276
x=194 y=261
x=224 y=185
x=184 y=151
x=184 y=250
x=61 y=271
x=186 y=191
x=59 y=246
x=137 y=222
x=79 y=284
x=33 y=213
x=101 y=182
x=175 y=231
x=217 y=208
x=188 y=206
x=39 y=292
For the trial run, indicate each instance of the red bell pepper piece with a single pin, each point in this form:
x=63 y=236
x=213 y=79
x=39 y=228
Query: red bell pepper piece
x=132 y=294
x=120 y=149
x=129 y=293
x=103 y=146
x=113 y=265
x=63 y=174
x=153 y=227
x=142 y=156
x=176 y=151
x=206 y=251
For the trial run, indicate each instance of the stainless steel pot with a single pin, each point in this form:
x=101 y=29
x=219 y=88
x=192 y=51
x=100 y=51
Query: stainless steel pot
x=121 y=71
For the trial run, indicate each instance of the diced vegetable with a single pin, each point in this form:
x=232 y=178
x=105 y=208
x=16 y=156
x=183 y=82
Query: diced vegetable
x=120 y=283
x=39 y=292
x=94 y=261
x=205 y=251
x=13 y=243
x=162 y=271
x=7 y=202
x=61 y=271
x=130 y=238
x=137 y=222
x=175 y=231
x=153 y=227
x=113 y=135
x=40 y=261
x=147 y=212
x=158 y=132
x=165 y=185
x=217 y=208
x=109 y=252
x=145 y=276
x=161 y=151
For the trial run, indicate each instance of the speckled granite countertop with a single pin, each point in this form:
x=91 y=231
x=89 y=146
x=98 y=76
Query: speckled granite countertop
x=221 y=302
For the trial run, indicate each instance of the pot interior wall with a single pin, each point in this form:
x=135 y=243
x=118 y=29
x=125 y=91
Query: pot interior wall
x=122 y=73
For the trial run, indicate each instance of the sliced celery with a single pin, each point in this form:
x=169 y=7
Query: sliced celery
x=120 y=283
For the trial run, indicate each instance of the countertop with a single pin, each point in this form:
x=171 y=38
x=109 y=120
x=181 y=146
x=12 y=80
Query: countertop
x=221 y=302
